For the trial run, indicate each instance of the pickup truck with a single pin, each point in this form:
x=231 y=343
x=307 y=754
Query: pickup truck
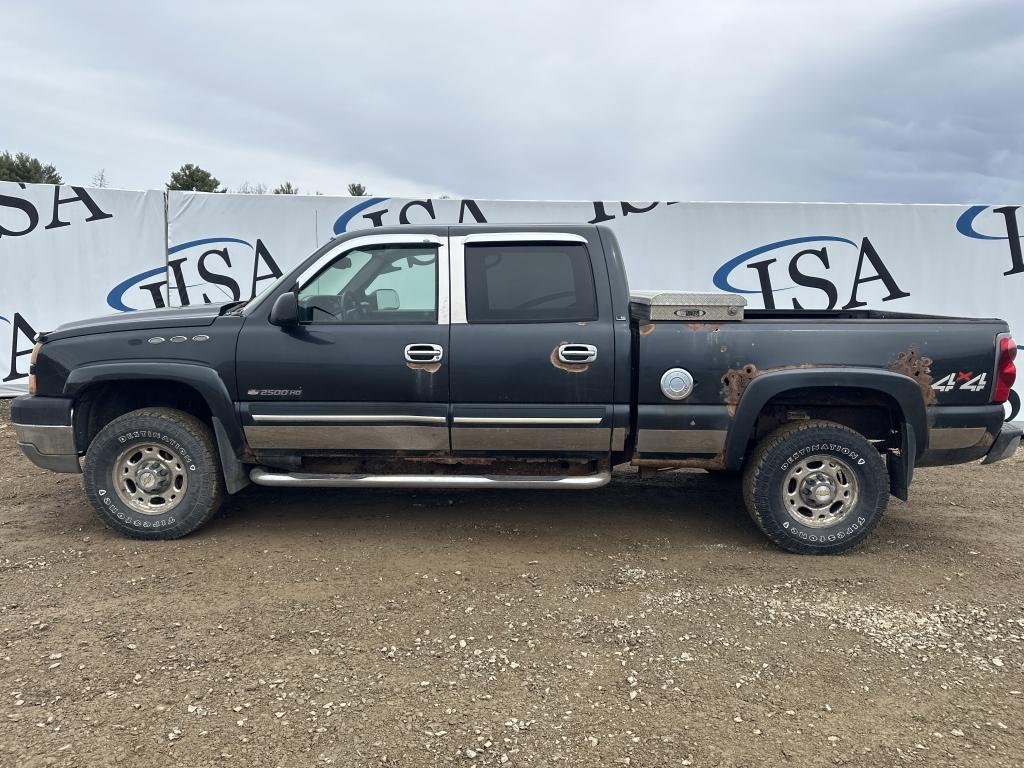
x=509 y=357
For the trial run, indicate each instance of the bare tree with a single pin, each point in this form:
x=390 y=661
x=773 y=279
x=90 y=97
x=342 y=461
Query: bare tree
x=100 y=179
x=245 y=188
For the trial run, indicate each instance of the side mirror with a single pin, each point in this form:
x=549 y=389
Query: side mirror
x=386 y=300
x=285 y=311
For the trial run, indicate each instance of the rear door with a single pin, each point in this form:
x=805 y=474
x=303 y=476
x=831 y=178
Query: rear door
x=532 y=357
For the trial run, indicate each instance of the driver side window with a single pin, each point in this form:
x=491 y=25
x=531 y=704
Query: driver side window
x=374 y=285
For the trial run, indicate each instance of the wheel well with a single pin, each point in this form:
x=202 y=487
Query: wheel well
x=873 y=414
x=99 y=404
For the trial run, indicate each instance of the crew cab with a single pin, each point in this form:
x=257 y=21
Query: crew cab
x=509 y=357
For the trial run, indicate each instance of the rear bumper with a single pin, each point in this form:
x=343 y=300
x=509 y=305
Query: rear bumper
x=45 y=431
x=1005 y=445
x=961 y=434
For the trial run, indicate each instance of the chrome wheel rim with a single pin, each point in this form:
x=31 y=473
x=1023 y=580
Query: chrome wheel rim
x=820 y=491
x=150 y=479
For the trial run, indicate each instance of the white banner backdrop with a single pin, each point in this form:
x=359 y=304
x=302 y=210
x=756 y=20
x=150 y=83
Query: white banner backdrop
x=62 y=250
x=937 y=259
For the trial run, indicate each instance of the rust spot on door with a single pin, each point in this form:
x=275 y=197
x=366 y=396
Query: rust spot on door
x=570 y=367
x=647 y=329
x=919 y=368
x=428 y=367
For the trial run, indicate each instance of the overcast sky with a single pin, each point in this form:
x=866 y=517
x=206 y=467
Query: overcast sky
x=896 y=101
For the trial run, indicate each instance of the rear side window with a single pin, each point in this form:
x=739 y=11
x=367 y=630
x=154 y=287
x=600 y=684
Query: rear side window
x=523 y=283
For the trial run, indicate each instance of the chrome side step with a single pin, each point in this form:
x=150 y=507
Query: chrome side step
x=263 y=476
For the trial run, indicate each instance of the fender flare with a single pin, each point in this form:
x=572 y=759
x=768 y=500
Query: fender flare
x=226 y=426
x=763 y=387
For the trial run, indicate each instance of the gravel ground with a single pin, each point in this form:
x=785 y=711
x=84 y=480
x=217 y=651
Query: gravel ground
x=645 y=624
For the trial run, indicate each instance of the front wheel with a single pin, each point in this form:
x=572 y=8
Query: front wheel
x=816 y=487
x=154 y=474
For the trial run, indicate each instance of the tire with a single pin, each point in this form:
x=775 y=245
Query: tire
x=792 y=464
x=171 y=451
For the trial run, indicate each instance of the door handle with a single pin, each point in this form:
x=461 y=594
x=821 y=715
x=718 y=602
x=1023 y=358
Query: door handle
x=424 y=353
x=577 y=353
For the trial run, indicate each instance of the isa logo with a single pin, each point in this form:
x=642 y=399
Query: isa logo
x=1002 y=220
x=17 y=336
x=811 y=271
x=385 y=211
x=210 y=270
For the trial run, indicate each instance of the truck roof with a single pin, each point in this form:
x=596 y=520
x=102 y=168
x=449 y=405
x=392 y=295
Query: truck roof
x=462 y=229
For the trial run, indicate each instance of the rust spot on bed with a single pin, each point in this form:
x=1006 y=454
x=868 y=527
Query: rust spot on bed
x=428 y=367
x=703 y=327
x=570 y=367
x=919 y=368
x=736 y=380
x=734 y=383
x=647 y=329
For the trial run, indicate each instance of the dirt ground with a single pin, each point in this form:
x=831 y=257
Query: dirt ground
x=645 y=624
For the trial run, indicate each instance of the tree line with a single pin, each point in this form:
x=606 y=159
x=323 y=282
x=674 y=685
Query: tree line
x=24 y=168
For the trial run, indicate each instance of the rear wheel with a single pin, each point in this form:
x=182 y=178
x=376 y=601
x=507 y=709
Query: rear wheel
x=154 y=474
x=816 y=487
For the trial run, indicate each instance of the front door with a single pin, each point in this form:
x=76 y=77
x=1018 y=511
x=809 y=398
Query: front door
x=366 y=370
x=532 y=348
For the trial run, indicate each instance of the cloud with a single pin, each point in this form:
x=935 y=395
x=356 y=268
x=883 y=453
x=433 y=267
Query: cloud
x=874 y=101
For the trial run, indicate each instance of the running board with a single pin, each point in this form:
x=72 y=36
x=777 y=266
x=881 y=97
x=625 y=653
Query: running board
x=263 y=476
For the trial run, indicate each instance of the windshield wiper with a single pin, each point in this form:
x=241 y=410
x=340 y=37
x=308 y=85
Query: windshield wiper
x=233 y=306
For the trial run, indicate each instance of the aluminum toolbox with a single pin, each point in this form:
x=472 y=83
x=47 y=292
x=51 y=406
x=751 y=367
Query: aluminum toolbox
x=673 y=305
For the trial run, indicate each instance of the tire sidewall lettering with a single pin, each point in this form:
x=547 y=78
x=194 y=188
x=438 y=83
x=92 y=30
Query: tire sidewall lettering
x=125 y=438
x=126 y=516
x=813 y=536
x=838 y=449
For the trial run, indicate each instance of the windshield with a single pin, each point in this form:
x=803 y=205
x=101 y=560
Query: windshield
x=260 y=297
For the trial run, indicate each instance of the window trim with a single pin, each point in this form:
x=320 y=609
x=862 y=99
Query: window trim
x=457 y=256
x=443 y=265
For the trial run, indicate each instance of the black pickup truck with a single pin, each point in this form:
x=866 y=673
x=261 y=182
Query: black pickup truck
x=509 y=357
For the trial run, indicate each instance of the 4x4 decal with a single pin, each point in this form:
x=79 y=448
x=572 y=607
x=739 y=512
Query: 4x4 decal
x=961 y=380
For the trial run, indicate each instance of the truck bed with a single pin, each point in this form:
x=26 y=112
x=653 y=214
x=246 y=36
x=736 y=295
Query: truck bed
x=941 y=355
x=854 y=314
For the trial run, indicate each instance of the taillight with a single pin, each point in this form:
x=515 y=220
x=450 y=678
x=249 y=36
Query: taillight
x=1006 y=371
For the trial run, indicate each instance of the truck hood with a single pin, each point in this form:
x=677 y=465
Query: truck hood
x=142 y=320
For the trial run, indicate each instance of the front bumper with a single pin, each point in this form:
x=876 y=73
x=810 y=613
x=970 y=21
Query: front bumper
x=45 y=432
x=1005 y=444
